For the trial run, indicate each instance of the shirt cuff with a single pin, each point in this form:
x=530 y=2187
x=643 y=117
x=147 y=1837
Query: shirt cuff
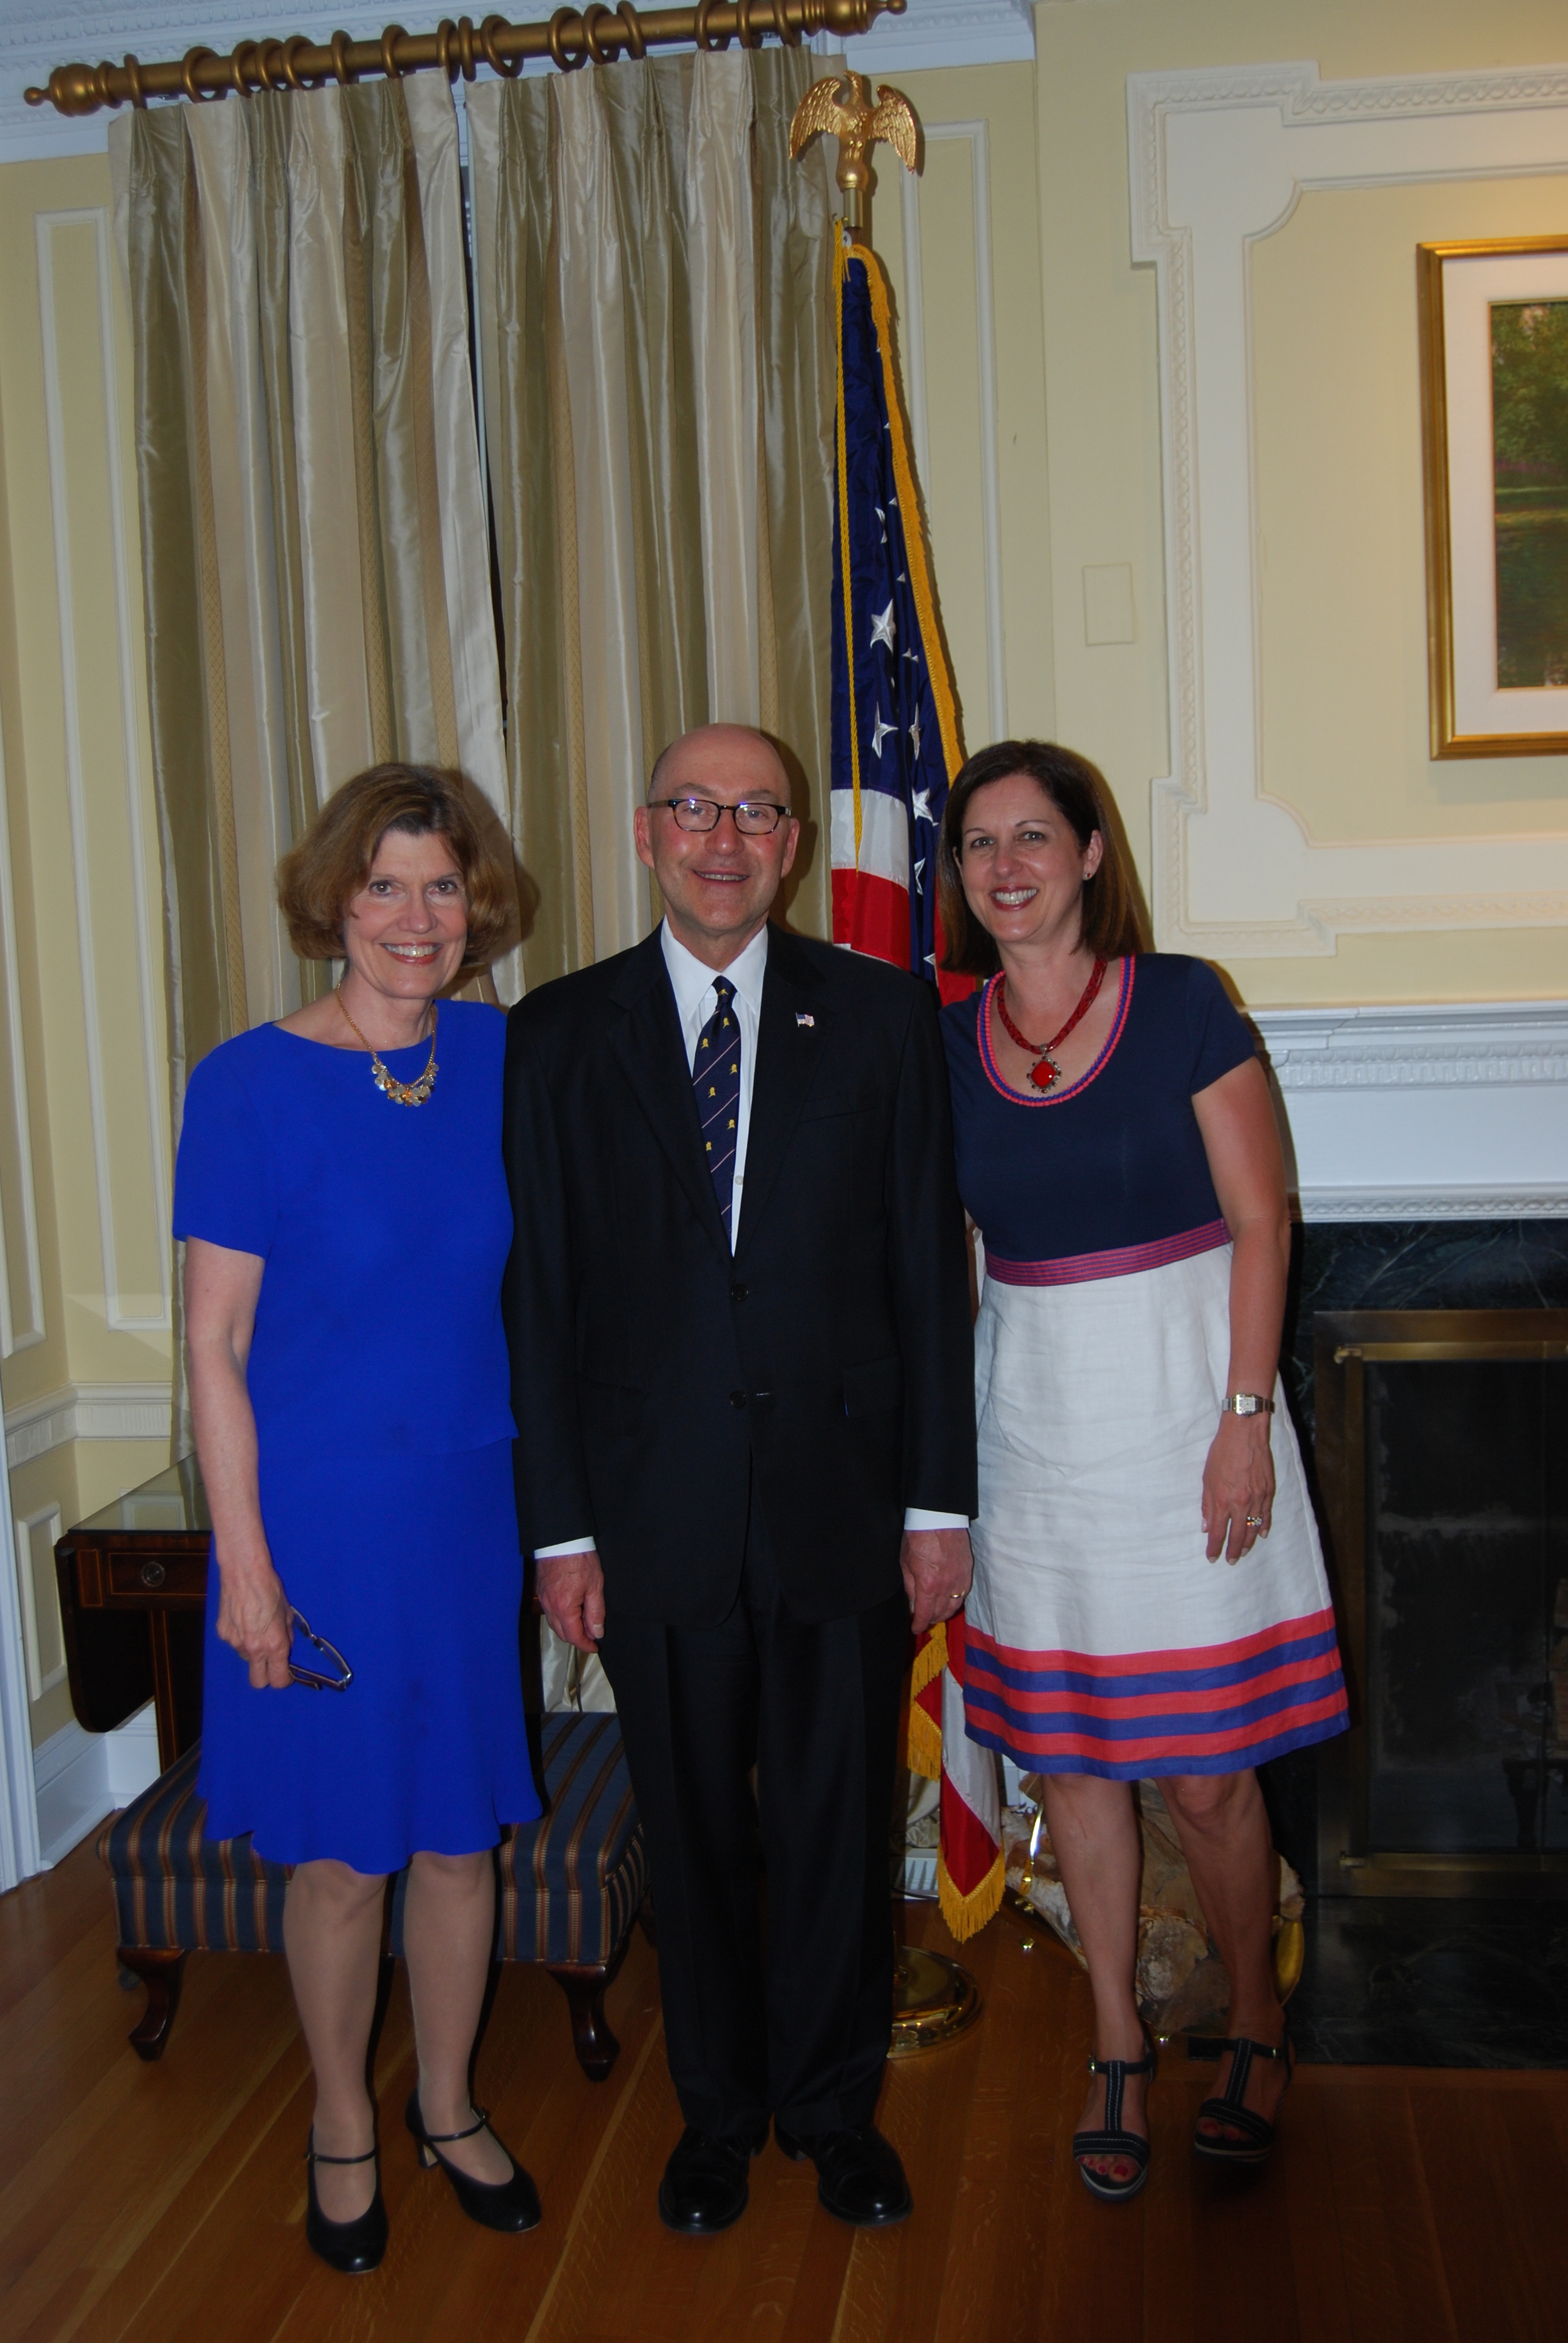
x=915 y=1517
x=571 y=1545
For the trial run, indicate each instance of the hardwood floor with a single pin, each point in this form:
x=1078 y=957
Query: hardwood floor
x=165 y=2204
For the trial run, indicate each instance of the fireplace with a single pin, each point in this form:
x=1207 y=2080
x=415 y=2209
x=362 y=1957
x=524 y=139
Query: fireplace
x=1442 y=1465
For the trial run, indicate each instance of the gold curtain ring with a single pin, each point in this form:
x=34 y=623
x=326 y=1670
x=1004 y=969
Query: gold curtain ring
x=465 y=52
x=288 y=64
x=268 y=61
x=699 y=31
x=555 y=36
x=510 y=67
x=446 y=38
x=389 y=40
x=593 y=14
x=792 y=35
x=343 y=71
x=745 y=32
x=188 y=63
x=636 y=38
x=133 y=72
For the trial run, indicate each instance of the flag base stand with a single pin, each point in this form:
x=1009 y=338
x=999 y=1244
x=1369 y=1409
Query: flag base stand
x=935 y=2000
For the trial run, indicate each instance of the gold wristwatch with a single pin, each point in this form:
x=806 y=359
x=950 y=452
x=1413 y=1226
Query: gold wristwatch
x=1248 y=1404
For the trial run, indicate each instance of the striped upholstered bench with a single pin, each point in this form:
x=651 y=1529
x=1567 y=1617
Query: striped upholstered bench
x=570 y=1884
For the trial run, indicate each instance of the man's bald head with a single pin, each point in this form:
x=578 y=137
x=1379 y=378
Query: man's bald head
x=735 y=747
x=719 y=884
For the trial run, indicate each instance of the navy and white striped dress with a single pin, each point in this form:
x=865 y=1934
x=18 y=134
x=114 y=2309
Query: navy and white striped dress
x=1098 y=1637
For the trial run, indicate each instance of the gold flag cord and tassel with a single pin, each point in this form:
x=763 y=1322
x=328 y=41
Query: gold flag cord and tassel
x=457 y=48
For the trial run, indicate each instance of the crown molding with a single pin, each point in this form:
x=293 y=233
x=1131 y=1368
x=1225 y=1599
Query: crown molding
x=1503 y=1203
x=86 y=1411
x=34 y=39
x=1403 y=1049
x=1383 y=1117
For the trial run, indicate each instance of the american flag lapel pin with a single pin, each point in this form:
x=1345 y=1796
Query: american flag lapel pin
x=802 y=1017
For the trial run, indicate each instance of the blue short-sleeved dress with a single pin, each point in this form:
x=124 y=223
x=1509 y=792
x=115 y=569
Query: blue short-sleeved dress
x=1098 y=1637
x=379 y=1381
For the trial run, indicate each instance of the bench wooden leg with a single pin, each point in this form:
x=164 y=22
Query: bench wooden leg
x=162 y=1973
x=585 y=1983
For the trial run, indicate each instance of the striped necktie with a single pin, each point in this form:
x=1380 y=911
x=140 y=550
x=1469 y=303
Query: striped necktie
x=716 y=1078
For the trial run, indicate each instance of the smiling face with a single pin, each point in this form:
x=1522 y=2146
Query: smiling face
x=406 y=931
x=1022 y=865
x=717 y=885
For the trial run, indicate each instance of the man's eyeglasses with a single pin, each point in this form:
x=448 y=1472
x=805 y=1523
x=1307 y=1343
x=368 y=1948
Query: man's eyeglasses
x=309 y=1676
x=754 y=817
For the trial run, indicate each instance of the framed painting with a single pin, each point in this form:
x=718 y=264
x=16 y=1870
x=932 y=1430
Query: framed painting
x=1494 y=414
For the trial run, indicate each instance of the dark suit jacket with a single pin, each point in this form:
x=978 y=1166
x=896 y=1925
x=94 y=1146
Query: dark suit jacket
x=655 y=1379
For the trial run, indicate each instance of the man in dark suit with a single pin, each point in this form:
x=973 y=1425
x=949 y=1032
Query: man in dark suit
x=739 y=1323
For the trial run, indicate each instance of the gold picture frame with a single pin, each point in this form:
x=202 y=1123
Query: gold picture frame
x=1474 y=712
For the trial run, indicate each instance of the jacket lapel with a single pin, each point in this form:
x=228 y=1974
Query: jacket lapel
x=793 y=1036
x=652 y=1058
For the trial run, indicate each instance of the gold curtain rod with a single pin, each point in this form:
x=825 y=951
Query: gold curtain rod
x=568 y=39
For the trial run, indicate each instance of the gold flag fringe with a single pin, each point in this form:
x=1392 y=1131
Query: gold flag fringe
x=966 y=1916
x=923 y=1741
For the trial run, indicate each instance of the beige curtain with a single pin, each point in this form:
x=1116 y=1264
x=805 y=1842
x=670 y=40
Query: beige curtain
x=653 y=280
x=313 y=517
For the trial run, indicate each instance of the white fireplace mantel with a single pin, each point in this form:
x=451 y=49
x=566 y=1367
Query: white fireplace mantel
x=1452 y=1112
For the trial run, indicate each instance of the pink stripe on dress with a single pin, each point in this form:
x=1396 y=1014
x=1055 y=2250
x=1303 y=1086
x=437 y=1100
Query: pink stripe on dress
x=1122 y=1261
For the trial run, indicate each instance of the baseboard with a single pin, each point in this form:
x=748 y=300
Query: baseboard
x=81 y=1776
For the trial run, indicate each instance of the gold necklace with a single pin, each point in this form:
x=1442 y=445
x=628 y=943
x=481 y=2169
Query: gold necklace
x=414 y=1093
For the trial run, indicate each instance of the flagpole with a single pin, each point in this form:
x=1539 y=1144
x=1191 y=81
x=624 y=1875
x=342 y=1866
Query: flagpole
x=935 y=1997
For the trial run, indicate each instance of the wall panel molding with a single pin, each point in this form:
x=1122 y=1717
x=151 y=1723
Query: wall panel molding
x=21 y=1273
x=1218 y=159
x=45 y=1646
x=120 y=1015
x=977 y=136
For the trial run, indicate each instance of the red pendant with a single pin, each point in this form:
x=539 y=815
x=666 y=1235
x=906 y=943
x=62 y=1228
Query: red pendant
x=1045 y=1074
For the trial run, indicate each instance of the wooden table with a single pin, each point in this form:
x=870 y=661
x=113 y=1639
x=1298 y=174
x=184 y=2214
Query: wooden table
x=133 y=1600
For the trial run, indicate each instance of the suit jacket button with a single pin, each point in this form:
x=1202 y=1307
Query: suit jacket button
x=737 y=1293
x=738 y=1399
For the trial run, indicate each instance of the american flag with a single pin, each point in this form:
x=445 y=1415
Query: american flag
x=895 y=743
x=896 y=747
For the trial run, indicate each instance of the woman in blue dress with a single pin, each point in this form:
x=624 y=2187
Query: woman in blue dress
x=1118 y=1155
x=340 y=1193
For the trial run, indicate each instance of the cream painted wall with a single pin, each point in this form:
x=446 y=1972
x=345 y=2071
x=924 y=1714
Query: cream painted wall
x=1339 y=518
x=83 y=1100
x=1338 y=515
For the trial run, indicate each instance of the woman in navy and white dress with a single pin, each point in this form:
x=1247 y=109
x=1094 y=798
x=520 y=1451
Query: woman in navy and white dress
x=1149 y=1594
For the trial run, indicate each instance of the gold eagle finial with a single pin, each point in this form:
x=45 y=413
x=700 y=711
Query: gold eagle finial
x=841 y=106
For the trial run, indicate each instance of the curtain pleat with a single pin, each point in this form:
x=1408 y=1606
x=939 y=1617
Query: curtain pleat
x=312 y=514
x=653 y=281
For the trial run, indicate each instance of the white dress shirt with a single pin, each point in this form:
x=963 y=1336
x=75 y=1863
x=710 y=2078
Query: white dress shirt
x=692 y=982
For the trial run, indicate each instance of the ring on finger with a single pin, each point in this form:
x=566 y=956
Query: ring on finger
x=1254 y=1520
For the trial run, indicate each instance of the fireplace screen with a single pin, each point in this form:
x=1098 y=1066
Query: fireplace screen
x=1443 y=1446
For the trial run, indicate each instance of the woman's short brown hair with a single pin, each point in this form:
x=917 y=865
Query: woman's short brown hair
x=1112 y=929
x=323 y=871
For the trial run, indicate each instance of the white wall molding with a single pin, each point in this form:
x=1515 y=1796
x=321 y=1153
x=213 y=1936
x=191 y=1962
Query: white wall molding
x=1218 y=160
x=1457 y=1113
x=937 y=33
x=100 y=993
x=977 y=136
x=82 y=1776
x=44 y=1673
x=86 y=1411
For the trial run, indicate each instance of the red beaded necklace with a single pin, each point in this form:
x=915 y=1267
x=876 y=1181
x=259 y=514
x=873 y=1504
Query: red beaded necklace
x=1045 y=1073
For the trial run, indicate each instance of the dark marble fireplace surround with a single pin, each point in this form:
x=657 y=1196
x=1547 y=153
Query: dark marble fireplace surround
x=1403 y=1980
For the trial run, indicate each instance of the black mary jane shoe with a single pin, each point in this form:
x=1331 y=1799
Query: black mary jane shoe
x=1113 y=2140
x=351 y=2247
x=1257 y=2132
x=706 y=2185
x=859 y=2179
x=511 y=2205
